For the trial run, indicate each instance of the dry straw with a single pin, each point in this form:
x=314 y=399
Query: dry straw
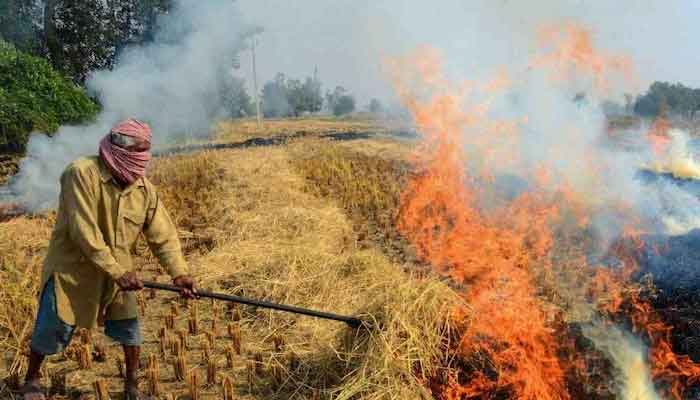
x=141 y=303
x=234 y=332
x=101 y=392
x=227 y=391
x=206 y=352
x=277 y=343
x=211 y=371
x=281 y=224
x=180 y=367
x=85 y=336
x=120 y=367
x=85 y=357
x=193 y=322
x=230 y=354
x=210 y=337
x=214 y=327
x=193 y=384
x=100 y=352
x=58 y=383
x=153 y=376
x=170 y=321
x=184 y=342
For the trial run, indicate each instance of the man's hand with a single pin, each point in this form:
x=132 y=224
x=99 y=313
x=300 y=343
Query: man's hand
x=186 y=285
x=129 y=281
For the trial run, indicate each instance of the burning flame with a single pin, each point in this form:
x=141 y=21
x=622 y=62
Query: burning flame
x=493 y=254
x=512 y=341
x=572 y=54
x=671 y=153
x=658 y=135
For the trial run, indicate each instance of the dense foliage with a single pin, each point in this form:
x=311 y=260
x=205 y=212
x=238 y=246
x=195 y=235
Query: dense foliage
x=340 y=102
x=79 y=36
x=664 y=97
x=284 y=97
x=33 y=96
x=235 y=98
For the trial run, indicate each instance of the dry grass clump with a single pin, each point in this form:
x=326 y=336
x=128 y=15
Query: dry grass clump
x=366 y=186
x=244 y=129
x=23 y=242
x=9 y=163
x=190 y=186
x=288 y=245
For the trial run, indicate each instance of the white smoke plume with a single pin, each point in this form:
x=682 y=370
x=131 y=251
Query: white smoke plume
x=172 y=83
x=627 y=355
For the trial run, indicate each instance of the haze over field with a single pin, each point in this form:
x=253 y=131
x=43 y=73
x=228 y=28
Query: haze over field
x=346 y=39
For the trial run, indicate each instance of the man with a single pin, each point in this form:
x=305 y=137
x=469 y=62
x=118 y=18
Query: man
x=88 y=276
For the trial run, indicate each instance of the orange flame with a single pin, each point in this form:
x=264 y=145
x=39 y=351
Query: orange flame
x=572 y=54
x=658 y=136
x=499 y=252
x=494 y=254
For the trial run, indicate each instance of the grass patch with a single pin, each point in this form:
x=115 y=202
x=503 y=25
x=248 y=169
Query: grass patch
x=367 y=186
x=23 y=242
x=190 y=187
x=246 y=128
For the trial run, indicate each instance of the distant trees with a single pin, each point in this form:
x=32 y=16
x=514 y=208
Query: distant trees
x=340 y=102
x=676 y=99
x=304 y=97
x=274 y=98
x=375 y=106
x=235 y=98
x=282 y=97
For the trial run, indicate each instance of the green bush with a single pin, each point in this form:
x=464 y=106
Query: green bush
x=34 y=97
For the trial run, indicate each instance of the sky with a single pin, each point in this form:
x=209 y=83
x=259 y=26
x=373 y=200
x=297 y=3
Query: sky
x=348 y=39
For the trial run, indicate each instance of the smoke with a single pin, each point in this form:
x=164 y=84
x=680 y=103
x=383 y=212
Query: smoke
x=346 y=39
x=172 y=83
x=627 y=356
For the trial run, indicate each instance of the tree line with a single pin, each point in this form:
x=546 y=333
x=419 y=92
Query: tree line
x=286 y=97
x=666 y=98
x=78 y=36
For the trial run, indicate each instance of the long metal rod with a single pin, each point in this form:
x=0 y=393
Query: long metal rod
x=352 y=321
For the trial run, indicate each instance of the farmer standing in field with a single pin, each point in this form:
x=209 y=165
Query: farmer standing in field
x=88 y=276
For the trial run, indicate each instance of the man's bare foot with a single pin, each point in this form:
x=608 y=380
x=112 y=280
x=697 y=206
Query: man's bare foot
x=32 y=391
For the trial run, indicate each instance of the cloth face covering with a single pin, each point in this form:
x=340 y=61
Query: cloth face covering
x=126 y=165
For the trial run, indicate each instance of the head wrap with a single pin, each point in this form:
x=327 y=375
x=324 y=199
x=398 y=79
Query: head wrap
x=126 y=166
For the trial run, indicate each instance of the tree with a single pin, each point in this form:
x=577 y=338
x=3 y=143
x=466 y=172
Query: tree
x=375 y=106
x=79 y=35
x=345 y=105
x=339 y=102
x=274 y=98
x=284 y=97
x=33 y=96
x=304 y=97
x=20 y=24
x=236 y=99
x=80 y=38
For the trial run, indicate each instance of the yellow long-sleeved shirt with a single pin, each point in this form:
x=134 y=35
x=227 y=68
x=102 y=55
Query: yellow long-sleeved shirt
x=96 y=228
